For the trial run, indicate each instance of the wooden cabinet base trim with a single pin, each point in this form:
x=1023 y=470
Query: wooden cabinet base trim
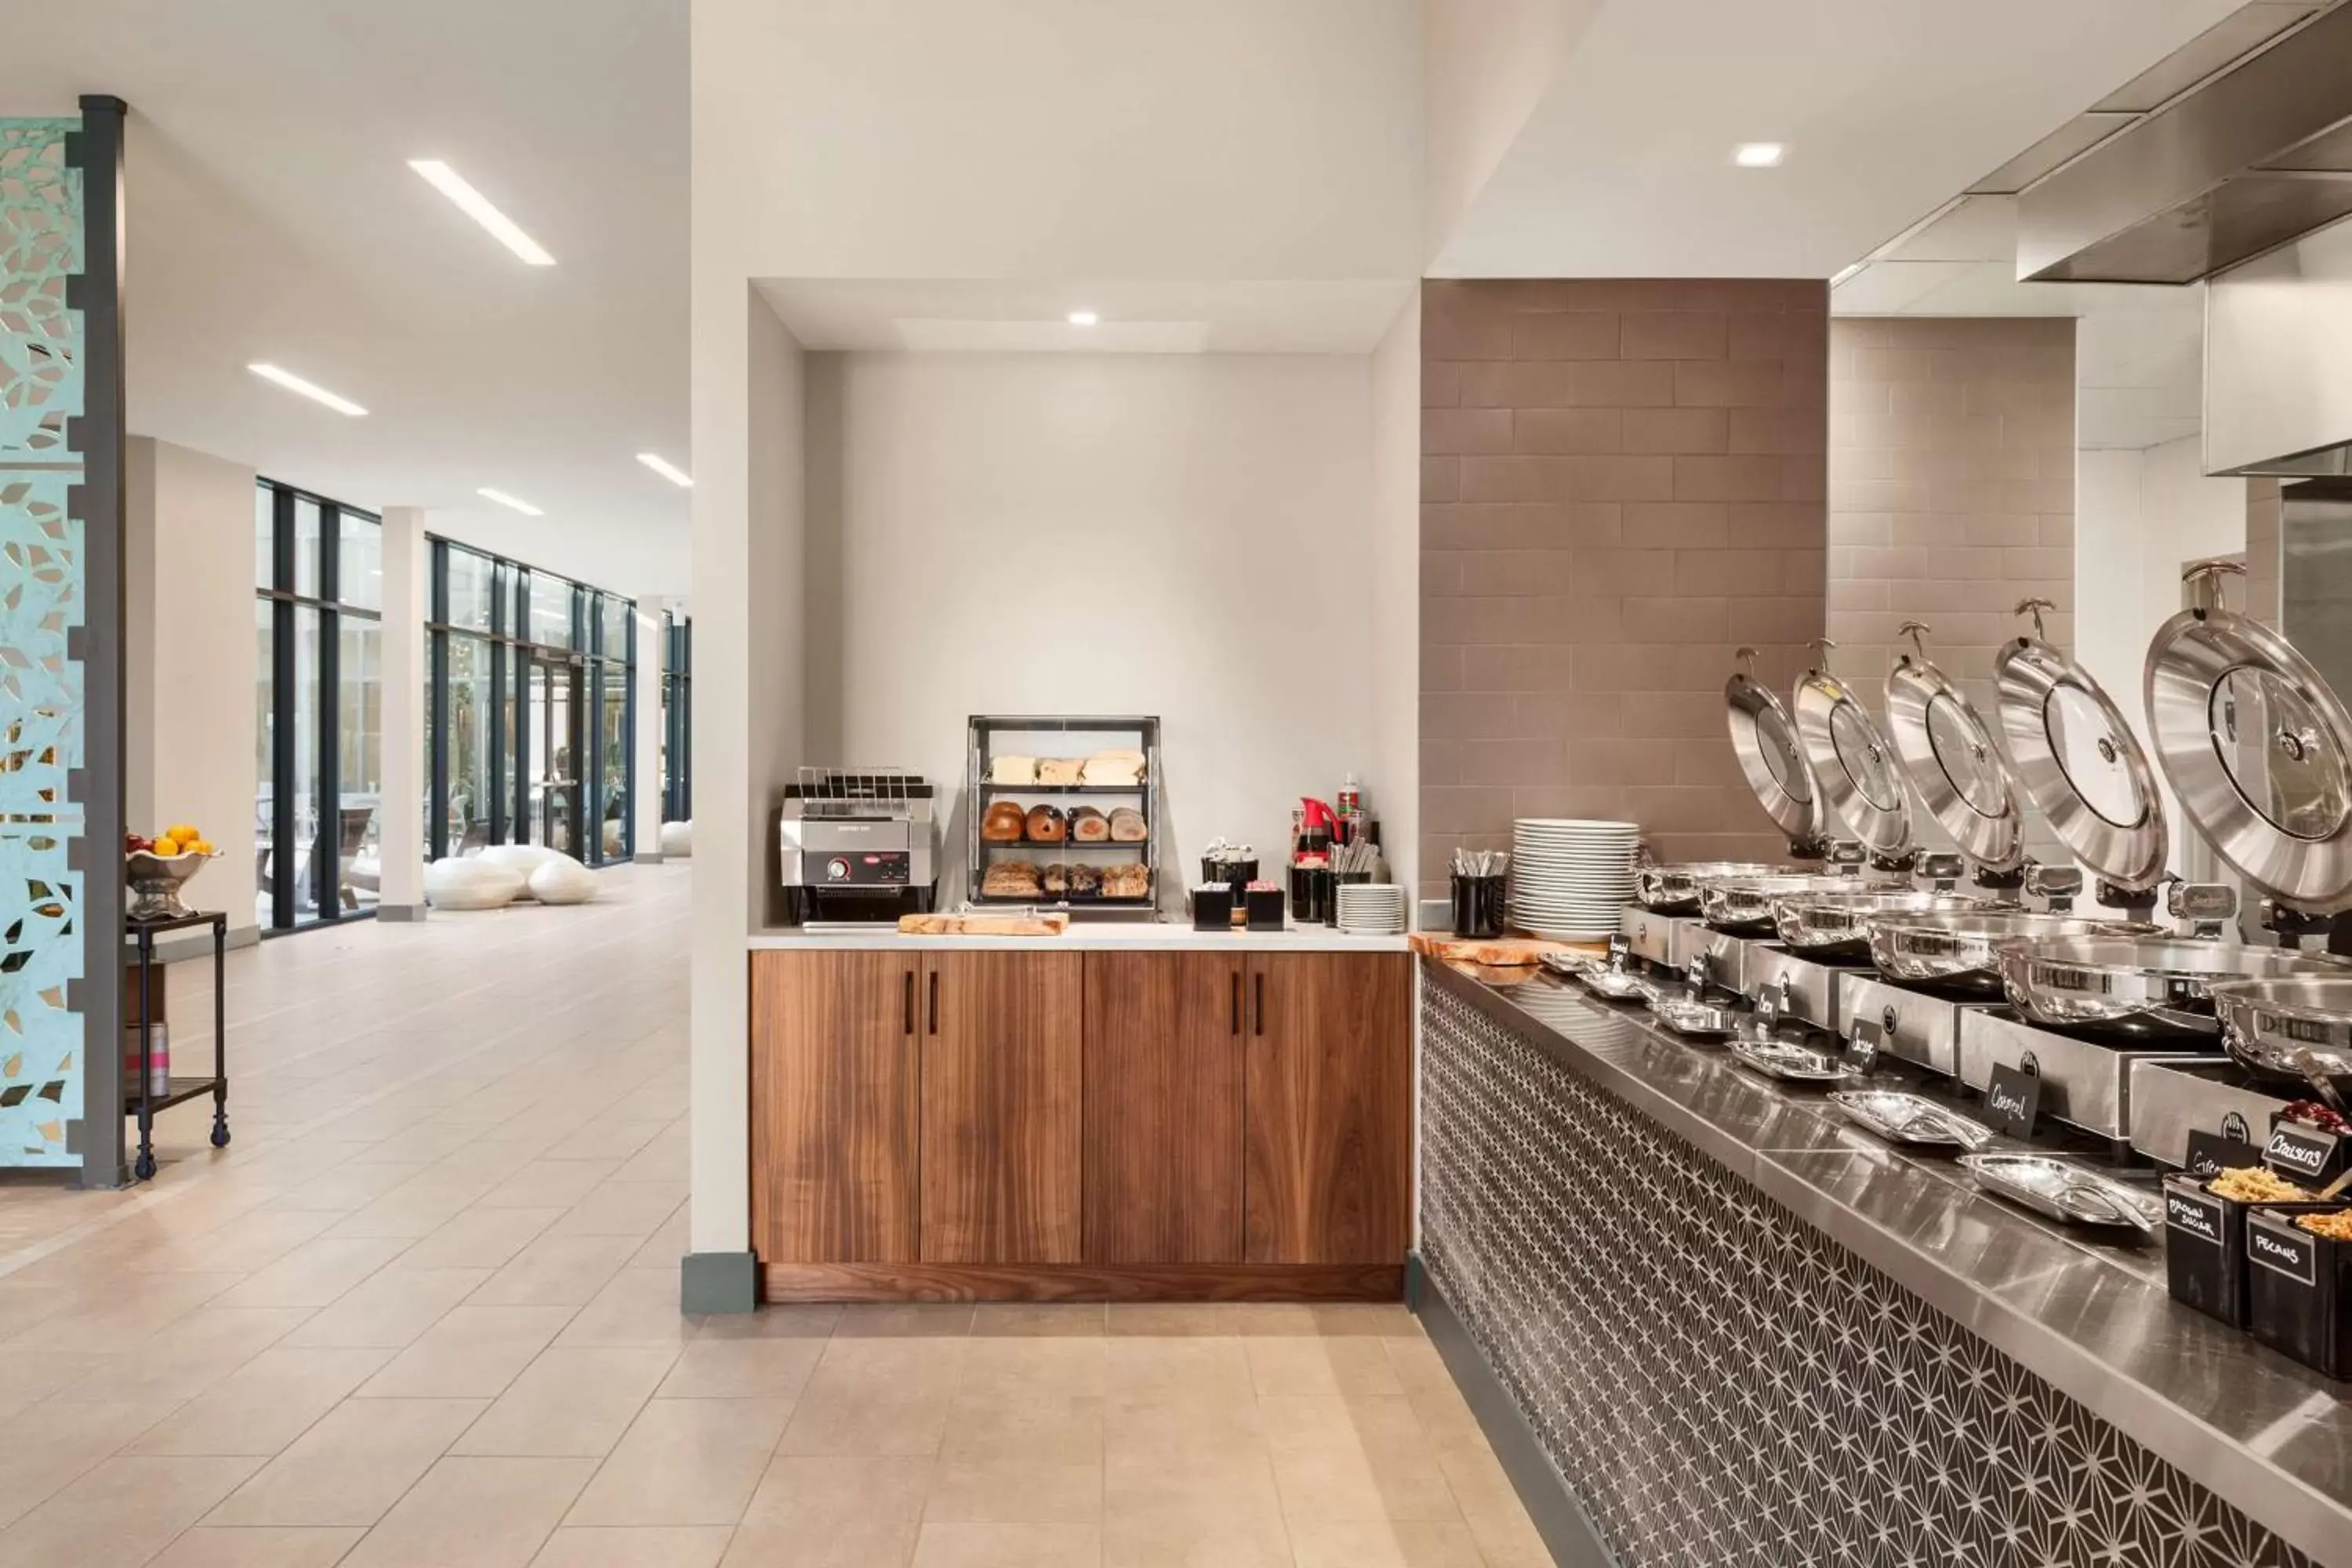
x=1082 y=1282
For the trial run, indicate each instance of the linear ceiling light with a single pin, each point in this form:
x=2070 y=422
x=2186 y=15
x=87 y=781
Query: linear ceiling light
x=505 y=500
x=476 y=205
x=666 y=470
x=1758 y=154
x=1083 y=318
x=315 y=393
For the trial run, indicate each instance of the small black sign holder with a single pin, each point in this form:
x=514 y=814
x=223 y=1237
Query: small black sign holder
x=141 y=1097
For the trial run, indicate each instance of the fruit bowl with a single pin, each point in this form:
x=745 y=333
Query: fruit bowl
x=156 y=879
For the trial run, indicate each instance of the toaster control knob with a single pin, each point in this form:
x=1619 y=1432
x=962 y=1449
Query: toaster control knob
x=836 y=870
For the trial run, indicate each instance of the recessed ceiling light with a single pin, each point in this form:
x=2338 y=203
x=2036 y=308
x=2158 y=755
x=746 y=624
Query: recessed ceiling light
x=315 y=393
x=666 y=470
x=1758 y=154
x=476 y=205
x=505 y=500
x=1083 y=318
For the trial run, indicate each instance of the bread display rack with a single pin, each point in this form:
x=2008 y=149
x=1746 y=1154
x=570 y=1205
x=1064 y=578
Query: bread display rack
x=1084 y=794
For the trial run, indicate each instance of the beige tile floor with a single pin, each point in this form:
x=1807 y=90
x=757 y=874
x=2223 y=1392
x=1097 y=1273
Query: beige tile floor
x=424 y=1314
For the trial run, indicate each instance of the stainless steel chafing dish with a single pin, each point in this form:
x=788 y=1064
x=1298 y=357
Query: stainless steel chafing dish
x=2292 y=1031
x=1960 y=772
x=1853 y=764
x=1746 y=905
x=2155 y=987
x=1836 y=925
x=1773 y=761
x=1674 y=890
x=1959 y=951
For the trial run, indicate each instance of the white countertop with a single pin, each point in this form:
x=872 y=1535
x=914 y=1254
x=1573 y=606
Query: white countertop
x=1120 y=936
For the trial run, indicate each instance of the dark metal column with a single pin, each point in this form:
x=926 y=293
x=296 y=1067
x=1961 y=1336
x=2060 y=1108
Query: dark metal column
x=97 y=152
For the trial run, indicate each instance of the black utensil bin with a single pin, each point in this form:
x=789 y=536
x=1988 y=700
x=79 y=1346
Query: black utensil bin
x=2299 y=1292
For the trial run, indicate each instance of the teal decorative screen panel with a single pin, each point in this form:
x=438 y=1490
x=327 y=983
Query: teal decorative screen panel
x=42 y=602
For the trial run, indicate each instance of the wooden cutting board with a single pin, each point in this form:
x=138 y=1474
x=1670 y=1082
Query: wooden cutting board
x=1496 y=951
x=983 y=925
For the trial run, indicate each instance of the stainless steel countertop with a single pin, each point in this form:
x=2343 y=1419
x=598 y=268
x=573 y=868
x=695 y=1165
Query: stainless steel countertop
x=2093 y=1319
x=1101 y=936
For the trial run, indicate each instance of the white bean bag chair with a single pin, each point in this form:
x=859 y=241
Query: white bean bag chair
x=522 y=860
x=562 y=880
x=471 y=883
x=677 y=840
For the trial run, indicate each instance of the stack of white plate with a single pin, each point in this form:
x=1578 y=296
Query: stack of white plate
x=1570 y=876
x=1372 y=909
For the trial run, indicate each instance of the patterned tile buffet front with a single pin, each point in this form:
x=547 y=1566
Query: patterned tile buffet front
x=1721 y=1383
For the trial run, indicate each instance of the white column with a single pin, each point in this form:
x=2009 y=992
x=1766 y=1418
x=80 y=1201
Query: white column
x=400 y=820
x=653 y=654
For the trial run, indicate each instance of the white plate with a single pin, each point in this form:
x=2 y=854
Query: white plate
x=1610 y=824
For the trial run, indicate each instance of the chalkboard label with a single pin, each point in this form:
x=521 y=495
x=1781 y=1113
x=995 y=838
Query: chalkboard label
x=2210 y=1153
x=2009 y=1101
x=2192 y=1213
x=1619 y=945
x=1863 y=1044
x=2287 y=1254
x=2302 y=1152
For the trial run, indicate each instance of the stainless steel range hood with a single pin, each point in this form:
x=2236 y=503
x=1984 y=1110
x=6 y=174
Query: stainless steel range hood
x=2228 y=171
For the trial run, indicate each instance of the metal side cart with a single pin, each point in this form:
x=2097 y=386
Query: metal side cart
x=142 y=1096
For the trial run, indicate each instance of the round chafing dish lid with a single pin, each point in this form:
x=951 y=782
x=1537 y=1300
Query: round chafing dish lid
x=1949 y=753
x=2080 y=764
x=1853 y=761
x=2255 y=745
x=1769 y=755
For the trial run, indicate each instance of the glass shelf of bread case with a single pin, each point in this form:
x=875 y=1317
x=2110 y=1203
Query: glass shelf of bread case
x=1115 y=743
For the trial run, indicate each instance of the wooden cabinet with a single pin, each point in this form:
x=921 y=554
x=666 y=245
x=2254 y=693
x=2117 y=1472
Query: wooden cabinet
x=1003 y=1069
x=1163 y=1107
x=834 y=1106
x=1051 y=1125
x=1328 y=1126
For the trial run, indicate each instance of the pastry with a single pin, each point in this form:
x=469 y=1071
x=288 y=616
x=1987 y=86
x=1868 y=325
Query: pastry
x=1060 y=771
x=1011 y=880
x=1088 y=825
x=1122 y=770
x=1012 y=771
x=1046 y=824
x=1057 y=879
x=1085 y=882
x=1127 y=881
x=1003 y=824
x=1126 y=826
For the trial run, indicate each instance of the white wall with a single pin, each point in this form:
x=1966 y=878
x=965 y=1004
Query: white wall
x=2139 y=516
x=1184 y=536
x=1396 y=592
x=1062 y=138
x=190 y=735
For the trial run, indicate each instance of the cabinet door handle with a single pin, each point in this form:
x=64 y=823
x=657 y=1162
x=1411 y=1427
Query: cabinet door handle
x=1236 y=979
x=934 y=1001
x=1260 y=979
x=909 y=1011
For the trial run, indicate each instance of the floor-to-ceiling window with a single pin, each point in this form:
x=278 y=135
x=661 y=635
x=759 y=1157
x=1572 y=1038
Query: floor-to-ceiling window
x=319 y=698
x=678 y=718
x=528 y=710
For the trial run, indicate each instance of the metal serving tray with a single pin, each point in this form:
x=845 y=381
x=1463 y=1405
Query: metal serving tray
x=2065 y=1191
x=1650 y=934
x=1903 y=1118
x=1787 y=1061
x=1918 y=1028
x=2172 y=1096
x=1696 y=1020
x=2086 y=1083
x=1814 y=992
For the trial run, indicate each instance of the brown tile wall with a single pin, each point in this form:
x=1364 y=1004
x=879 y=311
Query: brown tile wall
x=1952 y=486
x=2261 y=593
x=1951 y=495
x=1621 y=481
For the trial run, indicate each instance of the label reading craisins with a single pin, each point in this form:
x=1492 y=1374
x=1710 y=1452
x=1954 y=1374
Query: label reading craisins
x=2194 y=1215
x=2288 y=1255
x=2299 y=1150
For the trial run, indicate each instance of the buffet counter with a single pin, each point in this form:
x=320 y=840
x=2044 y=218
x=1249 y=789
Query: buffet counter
x=1106 y=936
x=1742 y=1330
